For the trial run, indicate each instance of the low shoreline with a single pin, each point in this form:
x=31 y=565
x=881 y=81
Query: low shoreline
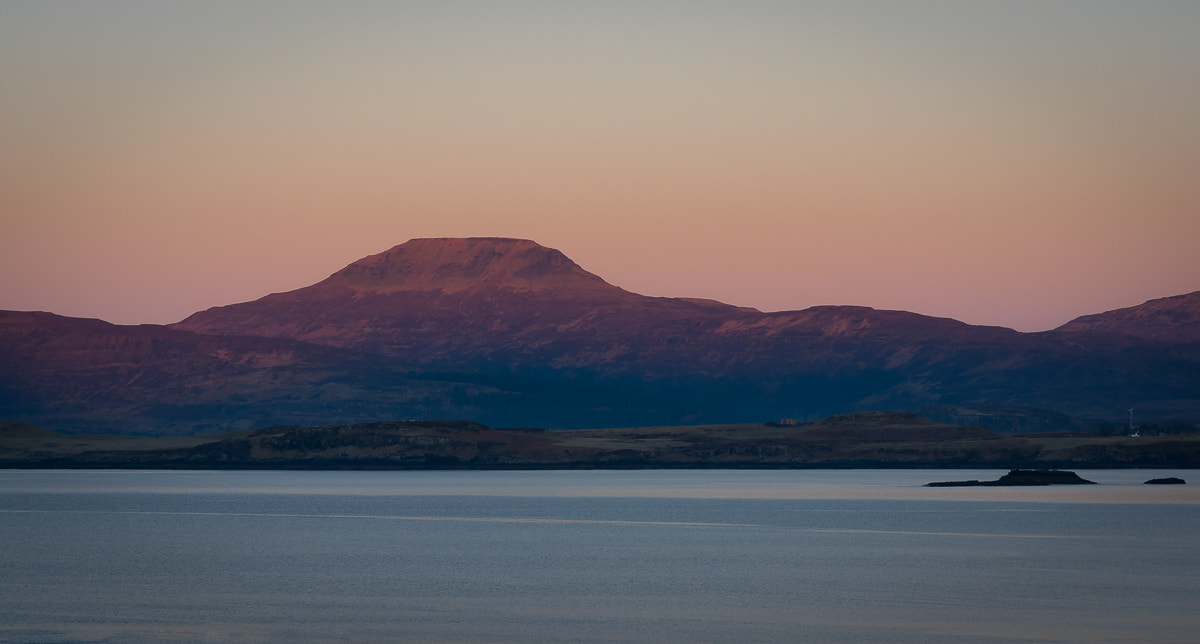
x=880 y=440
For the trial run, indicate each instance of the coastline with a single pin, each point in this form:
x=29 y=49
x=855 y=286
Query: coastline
x=880 y=440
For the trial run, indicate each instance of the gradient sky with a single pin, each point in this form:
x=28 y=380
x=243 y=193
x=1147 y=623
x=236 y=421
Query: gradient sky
x=1012 y=162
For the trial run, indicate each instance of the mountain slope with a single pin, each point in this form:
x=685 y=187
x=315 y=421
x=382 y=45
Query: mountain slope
x=82 y=375
x=1169 y=319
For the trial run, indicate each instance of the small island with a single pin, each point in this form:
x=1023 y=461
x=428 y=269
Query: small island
x=1021 y=478
x=1170 y=480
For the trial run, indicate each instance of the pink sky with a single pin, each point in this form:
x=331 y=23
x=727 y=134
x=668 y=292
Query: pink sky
x=1013 y=163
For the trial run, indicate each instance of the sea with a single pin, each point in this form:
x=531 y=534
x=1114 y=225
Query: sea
x=595 y=556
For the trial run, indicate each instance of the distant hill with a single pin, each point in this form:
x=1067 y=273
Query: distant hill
x=1167 y=319
x=510 y=333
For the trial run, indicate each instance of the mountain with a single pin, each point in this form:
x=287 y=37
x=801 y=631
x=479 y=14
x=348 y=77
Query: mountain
x=509 y=333
x=513 y=305
x=1168 y=319
x=458 y=301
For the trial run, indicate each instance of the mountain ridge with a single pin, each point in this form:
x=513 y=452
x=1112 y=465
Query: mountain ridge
x=407 y=301
x=520 y=334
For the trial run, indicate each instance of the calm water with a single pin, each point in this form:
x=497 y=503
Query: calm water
x=661 y=556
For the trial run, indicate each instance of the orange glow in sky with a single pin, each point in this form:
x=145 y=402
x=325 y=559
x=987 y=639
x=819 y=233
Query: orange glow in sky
x=1010 y=163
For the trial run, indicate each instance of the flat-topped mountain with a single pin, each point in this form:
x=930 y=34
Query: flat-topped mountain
x=474 y=265
x=456 y=300
x=508 y=332
x=1171 y=319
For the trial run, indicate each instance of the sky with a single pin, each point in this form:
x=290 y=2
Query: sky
x=1015 y=163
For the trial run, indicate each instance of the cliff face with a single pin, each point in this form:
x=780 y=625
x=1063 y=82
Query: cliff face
x=509 y=332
